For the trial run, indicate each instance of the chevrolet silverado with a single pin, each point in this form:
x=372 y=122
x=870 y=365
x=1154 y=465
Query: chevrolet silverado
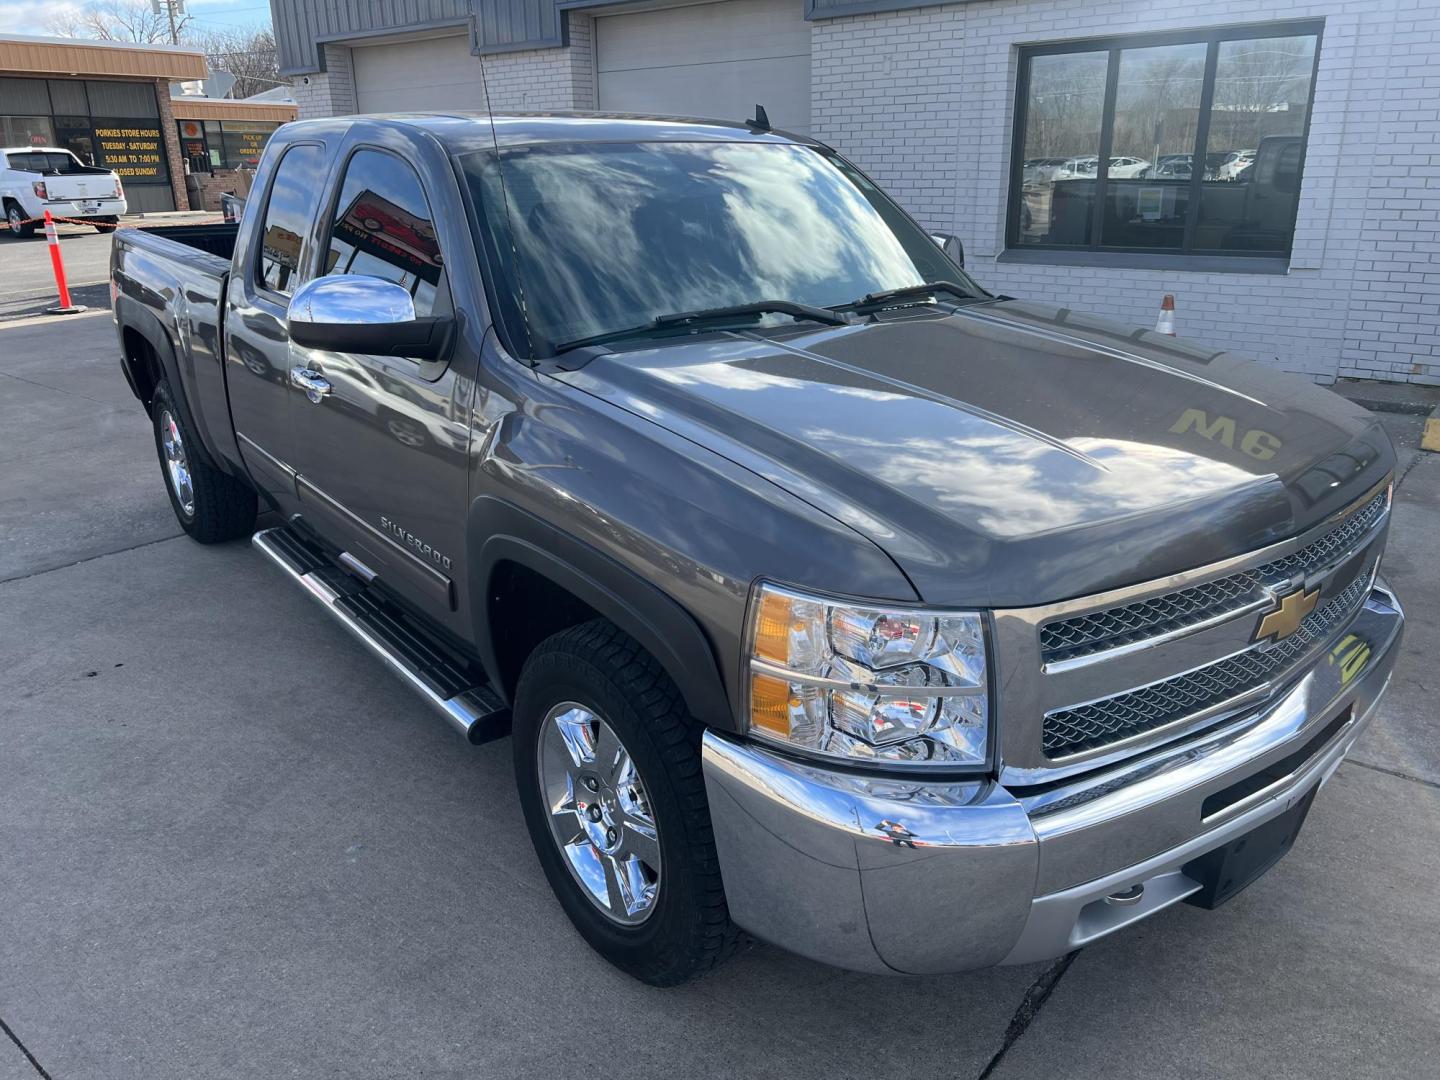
x=823 y=594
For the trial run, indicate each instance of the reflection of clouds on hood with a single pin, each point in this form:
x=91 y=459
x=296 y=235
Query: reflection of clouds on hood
x=1006 y=483
x=743 y=377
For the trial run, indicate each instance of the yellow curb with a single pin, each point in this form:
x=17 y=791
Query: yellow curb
x=1430 y=438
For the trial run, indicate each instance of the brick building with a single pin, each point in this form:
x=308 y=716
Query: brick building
x=1273 y=165
x=113 y=104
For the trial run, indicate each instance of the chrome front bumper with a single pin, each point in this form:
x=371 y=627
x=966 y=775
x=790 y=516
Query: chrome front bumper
x=891 y=876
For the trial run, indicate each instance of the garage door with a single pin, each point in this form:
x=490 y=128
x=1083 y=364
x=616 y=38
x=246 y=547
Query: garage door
x=418 y=76
x=713 y=60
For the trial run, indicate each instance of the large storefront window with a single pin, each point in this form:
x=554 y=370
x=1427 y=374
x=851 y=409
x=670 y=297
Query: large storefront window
x=1187 y=144
x=224 y=144
x=26 y=131
x=112 y=123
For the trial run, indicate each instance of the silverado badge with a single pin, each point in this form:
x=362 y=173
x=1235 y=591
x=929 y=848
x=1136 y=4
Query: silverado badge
x=1285 y=619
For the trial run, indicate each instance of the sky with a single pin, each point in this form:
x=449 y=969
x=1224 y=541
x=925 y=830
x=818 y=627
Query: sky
x=33 y=16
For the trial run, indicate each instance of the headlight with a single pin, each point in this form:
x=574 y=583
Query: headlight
x=870 y=683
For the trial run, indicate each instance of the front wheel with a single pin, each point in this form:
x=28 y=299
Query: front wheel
x=608 y=767
x=210 y=505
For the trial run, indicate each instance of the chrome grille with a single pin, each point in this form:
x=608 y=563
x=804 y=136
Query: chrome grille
x=1099 y=723
x=1098 y=631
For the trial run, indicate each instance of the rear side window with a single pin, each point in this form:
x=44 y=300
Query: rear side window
x=287 y=215
x=49 y=163
x=383 y=227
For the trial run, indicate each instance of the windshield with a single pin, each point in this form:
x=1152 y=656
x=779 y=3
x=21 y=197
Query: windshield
x=604 y=236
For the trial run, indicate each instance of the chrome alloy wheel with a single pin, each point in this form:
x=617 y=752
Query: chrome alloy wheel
x=600 y=815
x=16 y=219
x=177 y=466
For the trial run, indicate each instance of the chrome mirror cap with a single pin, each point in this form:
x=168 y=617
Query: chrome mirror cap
x=353 y=299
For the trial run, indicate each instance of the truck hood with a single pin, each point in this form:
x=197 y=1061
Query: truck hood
x=1007 y=453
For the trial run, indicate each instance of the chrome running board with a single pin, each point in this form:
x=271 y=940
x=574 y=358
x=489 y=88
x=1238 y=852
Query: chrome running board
x=472 y=706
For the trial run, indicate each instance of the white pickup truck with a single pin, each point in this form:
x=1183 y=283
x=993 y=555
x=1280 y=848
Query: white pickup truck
x=34 y=179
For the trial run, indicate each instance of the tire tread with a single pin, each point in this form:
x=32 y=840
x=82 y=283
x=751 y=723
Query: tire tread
x=225 y=506
x=614 y=656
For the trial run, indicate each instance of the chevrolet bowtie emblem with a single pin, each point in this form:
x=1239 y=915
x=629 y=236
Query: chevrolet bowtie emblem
x=1285 y=620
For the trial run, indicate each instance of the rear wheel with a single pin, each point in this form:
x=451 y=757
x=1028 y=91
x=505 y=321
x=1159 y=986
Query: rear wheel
x=18 y=222
x=608 y=767
x=210 y=505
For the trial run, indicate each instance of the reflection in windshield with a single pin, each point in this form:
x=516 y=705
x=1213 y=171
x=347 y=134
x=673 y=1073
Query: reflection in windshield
x=610 y=235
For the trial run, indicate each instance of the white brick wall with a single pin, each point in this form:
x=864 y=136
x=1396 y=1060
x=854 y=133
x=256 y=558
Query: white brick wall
x=923 y=100
x=330 y=92
x=544 y=79
x=535 y=79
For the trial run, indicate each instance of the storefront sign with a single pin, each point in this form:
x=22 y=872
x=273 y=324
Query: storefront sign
x=134 y=149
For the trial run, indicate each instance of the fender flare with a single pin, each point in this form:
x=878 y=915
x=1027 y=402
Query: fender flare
x=501 y=532
x=131 y=315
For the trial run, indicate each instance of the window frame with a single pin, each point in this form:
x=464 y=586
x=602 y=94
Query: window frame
x=326 y=222
x=255 y=279
x=1187 y=256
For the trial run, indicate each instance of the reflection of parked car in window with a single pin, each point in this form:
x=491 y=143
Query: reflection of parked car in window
x=1176 y=169
x=1235 y=164
x=1167 y=167
x=1078 y=168
x=1125 y=168
x=1041 y=170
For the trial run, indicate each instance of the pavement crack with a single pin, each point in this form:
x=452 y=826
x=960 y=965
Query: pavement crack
x=23 y=1048
x=90 y=558
x=1393 y=772
x=55 y=389
x=1029 y=1008
x=1418 y=457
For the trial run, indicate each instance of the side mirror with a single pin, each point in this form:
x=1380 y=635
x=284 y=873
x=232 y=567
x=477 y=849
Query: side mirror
x=950 y=244
x=356 y=313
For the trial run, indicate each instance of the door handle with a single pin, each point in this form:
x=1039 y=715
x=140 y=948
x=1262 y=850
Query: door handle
x=315 y=385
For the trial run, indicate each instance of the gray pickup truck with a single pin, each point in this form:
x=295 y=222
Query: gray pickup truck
x=824 y=594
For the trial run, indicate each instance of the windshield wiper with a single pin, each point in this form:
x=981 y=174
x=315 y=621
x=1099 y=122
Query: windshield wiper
x=682 y=320
x=876 y=300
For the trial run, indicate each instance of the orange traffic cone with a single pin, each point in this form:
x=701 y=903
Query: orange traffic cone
x=1165 y=324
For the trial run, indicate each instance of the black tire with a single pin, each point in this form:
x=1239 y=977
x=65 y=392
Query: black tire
x=105 y=224
x=13 y=212
x=595 y=664
x=221 y=507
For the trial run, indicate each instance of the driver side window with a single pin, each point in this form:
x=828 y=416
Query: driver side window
x=383 y=227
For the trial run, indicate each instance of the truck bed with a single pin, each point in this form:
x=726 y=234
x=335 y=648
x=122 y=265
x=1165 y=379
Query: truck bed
x=217 y=240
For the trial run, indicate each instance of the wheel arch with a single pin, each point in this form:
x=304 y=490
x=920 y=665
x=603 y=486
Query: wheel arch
x=142 y=332
x=513 y=549
x=143 y=370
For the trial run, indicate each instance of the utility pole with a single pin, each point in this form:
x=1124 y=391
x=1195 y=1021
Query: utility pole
x=170 y=9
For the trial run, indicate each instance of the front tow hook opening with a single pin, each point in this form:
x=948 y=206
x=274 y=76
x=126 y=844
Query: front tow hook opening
x=1127 y=897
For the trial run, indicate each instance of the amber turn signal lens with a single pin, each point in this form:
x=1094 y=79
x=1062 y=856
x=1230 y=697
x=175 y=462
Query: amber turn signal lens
x=772 y=628
x=770 y=704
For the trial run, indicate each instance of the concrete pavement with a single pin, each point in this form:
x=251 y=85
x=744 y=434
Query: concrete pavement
x=232 y=845
x=27 y=282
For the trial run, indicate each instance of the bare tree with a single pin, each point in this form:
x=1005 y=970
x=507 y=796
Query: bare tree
x=116 y=20
x=247 y=53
